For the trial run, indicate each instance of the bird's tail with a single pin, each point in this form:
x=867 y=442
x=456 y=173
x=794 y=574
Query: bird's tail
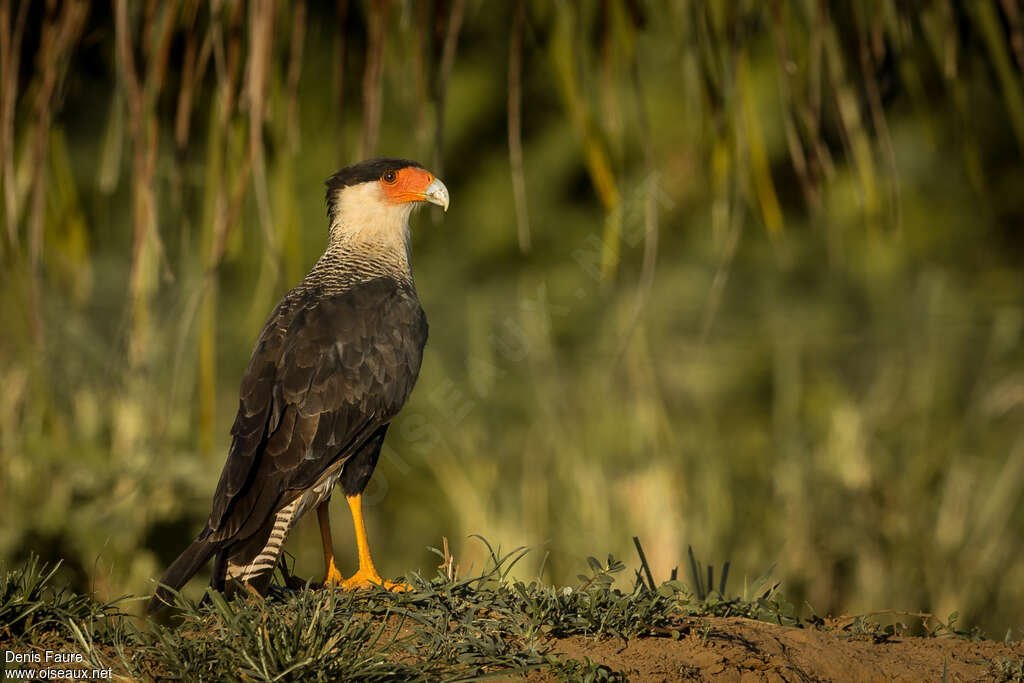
x=183 y=569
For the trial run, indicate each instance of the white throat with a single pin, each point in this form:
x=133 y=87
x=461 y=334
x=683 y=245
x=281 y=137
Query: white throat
x=368 y=234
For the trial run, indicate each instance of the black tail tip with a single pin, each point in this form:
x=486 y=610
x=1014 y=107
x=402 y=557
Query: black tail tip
x=180 y=571
x=163 y=597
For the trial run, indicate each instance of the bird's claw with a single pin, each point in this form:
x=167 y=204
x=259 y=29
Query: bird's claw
x=371 y=579
x=332 y=576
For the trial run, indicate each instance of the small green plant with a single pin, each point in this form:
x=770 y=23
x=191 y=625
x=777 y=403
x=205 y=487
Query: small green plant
x=30 y=606
x=1007 y=669
x=585 y=671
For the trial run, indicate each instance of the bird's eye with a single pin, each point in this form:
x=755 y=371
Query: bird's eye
x=389 y=177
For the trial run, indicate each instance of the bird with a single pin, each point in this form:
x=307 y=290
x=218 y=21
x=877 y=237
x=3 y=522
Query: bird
x=332 y=367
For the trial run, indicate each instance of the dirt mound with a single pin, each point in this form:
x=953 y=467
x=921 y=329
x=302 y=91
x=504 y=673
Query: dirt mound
x=735 y=649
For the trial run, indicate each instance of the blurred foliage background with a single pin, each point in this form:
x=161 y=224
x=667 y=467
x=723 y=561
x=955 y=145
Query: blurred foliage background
x=746 y=276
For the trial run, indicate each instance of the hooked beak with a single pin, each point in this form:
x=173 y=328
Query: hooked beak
x=437 y=193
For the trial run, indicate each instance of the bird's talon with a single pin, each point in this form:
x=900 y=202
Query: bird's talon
x=365 y=579
x=398 y=587
x=333 y=577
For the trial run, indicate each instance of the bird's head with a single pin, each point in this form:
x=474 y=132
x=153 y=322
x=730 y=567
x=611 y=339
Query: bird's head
x=371 y=201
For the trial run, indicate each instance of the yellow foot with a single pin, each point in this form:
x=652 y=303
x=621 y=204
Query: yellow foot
x=370 y=579
x=334 y=577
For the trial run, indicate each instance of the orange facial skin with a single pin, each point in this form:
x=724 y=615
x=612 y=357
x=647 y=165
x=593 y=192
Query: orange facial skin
x=409 y=184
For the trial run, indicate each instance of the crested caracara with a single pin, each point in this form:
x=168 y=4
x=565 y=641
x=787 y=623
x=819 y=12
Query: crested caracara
x=332 y=367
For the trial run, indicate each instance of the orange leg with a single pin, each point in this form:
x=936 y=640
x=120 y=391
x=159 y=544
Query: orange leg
x=367 y=575
x=331 y=573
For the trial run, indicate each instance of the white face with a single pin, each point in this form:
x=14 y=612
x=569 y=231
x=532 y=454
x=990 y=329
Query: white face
x=366 y=214
x=377 y=212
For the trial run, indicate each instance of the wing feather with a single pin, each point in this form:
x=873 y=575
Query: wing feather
x=326 y=372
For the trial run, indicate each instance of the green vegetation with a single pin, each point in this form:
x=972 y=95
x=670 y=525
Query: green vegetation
x=447 y=628
x=1007 y=669
x=744 y=276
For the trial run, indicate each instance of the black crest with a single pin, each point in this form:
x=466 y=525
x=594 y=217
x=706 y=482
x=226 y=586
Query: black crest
x=363 y=172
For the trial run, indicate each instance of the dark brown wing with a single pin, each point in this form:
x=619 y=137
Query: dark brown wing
x=326 y=372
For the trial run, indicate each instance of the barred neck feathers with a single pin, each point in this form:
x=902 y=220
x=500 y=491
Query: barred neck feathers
x=369 y=238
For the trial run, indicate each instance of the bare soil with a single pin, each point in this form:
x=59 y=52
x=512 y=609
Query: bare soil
x=736 y=649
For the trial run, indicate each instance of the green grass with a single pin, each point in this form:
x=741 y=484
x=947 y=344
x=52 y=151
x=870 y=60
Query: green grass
x=1008 y=670
x=445 y=628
